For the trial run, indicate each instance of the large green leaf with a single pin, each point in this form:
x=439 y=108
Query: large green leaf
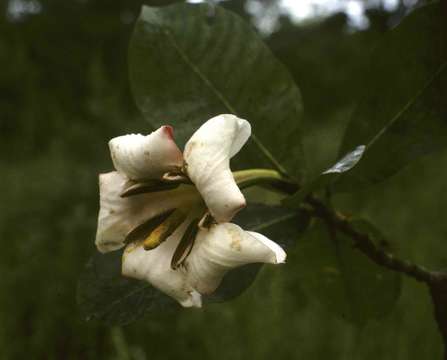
x=331 y=270
x=327 y=177
x=283 y=226
x=403 y=114
x=187 y=65
x=104 y=294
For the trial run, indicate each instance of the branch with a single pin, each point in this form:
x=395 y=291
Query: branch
x=337 y=222
x=366 y=245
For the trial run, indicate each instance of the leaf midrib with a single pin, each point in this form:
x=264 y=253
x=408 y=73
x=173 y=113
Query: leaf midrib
x=273 y=222
x=110 y=306
x=409 y=104
x=184 y=56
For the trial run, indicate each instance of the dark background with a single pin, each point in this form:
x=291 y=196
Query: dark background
x=64 y=93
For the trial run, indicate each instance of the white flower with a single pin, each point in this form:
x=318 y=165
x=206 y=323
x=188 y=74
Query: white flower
x=146 y=157
x=216 y=250
x=148 y=206
x=119 y=215
x=207 y=155
x=223 y=247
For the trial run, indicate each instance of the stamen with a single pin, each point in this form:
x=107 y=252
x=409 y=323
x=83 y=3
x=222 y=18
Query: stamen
x=164 y=230
x=206 y=221
x=176 y=178
x=136 y=188
x=140 y=232
x=185 y=245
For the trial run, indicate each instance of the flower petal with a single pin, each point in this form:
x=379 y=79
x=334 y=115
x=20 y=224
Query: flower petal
x=154 y=266
x=146 y=157
x=207 y=154
x=117 y=215
x=223 y=247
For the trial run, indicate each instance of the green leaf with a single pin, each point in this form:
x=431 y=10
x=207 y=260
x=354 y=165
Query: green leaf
x=234 y=283
x=187 y=66
x=327 y=177
x=341 y=278
x=403 y=114
x=105 y=295
x=281 y=225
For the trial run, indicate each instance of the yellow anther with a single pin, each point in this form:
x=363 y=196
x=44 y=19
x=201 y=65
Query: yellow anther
x=164 y=230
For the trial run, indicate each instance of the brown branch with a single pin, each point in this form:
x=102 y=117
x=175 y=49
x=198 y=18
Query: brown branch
x=366 y=245
x=363 y=242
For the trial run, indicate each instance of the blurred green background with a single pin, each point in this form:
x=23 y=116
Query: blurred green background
x=64 y=93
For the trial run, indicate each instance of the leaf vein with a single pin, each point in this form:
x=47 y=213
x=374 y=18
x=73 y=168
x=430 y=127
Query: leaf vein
x=222 y=98
x=109 y=307
x=409 y=104
x=267 y=224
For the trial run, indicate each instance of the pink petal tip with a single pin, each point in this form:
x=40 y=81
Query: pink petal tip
x=169 y=131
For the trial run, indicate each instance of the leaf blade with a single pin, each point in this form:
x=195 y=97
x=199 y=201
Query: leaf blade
x=104 y=295
x=403 y=113
x=327 y=177
x=214 y=61
x=342 y=279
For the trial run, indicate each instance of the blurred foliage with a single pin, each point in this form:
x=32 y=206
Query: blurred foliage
x=65 y=92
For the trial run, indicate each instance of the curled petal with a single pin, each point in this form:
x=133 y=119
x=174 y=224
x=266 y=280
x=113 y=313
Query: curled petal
x=207 y=155
x=154 y=266
x=118 y=215
x=146 y=157
x=223 y=247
